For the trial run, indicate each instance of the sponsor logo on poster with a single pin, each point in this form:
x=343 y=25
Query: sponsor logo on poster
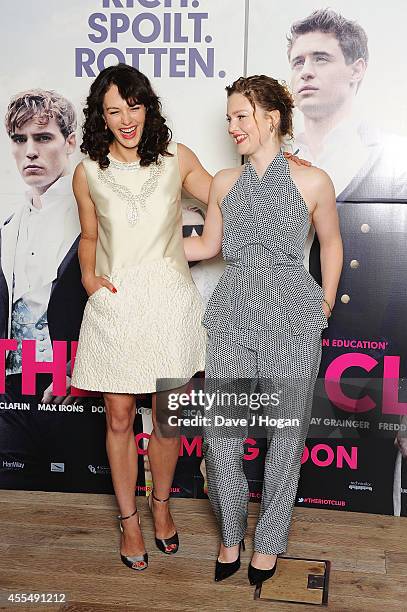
x=361 y=486
x=99 y=469
x=13 y=465
x=57 y=467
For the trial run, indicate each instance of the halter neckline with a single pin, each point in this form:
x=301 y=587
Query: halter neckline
x=275 y=162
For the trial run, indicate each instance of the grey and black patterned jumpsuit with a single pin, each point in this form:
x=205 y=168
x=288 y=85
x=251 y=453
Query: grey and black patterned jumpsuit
x=264 y=322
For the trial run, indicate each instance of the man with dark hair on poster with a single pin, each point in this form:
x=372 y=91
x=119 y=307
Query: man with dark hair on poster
x=41 y=294
x=329 y=56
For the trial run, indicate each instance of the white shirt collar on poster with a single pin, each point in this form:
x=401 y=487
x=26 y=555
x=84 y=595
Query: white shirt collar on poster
x=45 y=236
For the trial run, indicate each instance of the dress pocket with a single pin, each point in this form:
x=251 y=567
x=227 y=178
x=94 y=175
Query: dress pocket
x=95 y=294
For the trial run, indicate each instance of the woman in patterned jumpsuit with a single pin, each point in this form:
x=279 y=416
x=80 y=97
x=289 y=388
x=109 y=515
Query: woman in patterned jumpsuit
x=266 y=315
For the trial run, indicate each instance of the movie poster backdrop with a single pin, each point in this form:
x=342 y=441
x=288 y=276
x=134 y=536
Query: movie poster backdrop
x=355 y=453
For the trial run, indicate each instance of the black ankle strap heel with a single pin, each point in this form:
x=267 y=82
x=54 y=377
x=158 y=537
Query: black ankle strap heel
x=168 y=546
x=134 y=562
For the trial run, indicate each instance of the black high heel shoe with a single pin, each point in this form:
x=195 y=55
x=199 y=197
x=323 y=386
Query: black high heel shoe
x=257 y=576
x=225 y=570
x=169 y=546
x=134 y=562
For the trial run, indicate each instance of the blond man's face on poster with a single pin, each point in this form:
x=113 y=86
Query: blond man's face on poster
x=321 y=80
x=41 y=152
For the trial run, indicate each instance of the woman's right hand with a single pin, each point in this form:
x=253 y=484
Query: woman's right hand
x=92 y=283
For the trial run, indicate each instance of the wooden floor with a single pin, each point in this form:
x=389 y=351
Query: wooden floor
x=59 y=542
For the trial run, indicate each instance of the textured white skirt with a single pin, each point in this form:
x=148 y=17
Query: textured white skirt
x=149 y=330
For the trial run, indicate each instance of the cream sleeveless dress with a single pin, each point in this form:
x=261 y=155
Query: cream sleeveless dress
x=151 y=328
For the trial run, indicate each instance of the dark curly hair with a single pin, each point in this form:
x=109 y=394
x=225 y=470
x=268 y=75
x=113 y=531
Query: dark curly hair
x=270 y=95
x=135 y=88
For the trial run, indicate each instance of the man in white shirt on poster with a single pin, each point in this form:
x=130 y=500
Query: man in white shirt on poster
x=329 y=56
x=41 y=295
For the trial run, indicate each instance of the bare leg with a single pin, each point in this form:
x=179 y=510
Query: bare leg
x=122 y=453
x=163 y=450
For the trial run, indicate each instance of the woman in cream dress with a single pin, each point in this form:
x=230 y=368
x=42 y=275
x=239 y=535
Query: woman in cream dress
x=142 y=322
x=149 y=329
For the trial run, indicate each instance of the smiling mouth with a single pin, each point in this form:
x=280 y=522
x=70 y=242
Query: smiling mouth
x=128 y=132
x=239 y=138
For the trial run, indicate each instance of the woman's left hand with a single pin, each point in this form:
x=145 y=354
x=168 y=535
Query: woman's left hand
x=297 y=160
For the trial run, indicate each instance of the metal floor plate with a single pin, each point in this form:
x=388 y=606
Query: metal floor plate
x=297 y=581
